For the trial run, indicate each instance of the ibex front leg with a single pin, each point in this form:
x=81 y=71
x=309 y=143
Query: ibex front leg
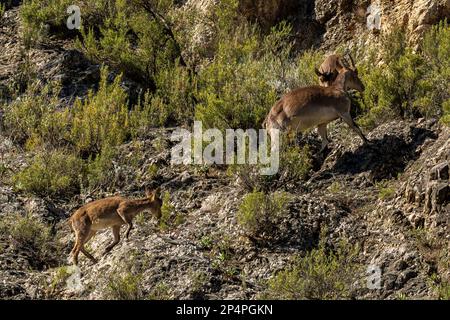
x=349 y=121
x=116 y=234
x=128 y=220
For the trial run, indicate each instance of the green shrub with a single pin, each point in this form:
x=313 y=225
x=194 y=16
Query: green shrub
x=124 y=287
x=131 y=40
x=100 y=170
x=35 y=13
x=172 y=102
x=102 y=119
x=436 y=52
x=32 y=237
x=34 y=118
x=55 y=173
x=408 y=83
x=385 y=189
x=160 y=291
x=259 y=213
x=240 y=85
x=321 y=274
x=295 y=166
x=305 y=65
x=169 y=217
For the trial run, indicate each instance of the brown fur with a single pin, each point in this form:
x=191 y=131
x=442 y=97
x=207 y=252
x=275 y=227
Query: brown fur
x=312 y=106
x=330 y=69
x=109 y=212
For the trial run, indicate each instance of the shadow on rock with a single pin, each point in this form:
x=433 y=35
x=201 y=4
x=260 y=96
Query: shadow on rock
x=383 y=158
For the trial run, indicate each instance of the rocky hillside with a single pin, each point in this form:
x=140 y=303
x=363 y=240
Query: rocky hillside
x=389 y=201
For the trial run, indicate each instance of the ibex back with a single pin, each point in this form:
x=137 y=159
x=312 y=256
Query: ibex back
x=109 y=212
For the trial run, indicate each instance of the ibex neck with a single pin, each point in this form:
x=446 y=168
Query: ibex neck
x=140 y=204
x=339 y=83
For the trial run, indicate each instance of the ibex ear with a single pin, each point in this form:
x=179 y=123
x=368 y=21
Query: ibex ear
x=318 y=72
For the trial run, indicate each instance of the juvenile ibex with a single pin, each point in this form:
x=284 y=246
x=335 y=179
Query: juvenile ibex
x=312 y=106
x=109 y=212
x=330 y=69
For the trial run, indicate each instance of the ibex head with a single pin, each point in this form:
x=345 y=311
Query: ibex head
x=155 y=202
x=325 y=78
x=335 y=65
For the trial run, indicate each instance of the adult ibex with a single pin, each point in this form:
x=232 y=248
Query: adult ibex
x=109 y=212
x=313 y=106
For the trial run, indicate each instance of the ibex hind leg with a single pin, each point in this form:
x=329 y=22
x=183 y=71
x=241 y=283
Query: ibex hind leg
x=349 y=121
x=128 y=220
x=83 y=249
x=79 y=243
x=322 y=130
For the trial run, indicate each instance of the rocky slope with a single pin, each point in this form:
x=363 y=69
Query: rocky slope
x=208 y=256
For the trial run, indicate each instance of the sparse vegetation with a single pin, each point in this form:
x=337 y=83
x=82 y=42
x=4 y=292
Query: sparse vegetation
x=259 y=213
x=408 y=83
x=2 y=9
x=385 y=189
x=323 y=273
x=58 y=282
x=33 y=238
x=126 y=286
x=169 y=216
x=160 y=291
x=295 y=165
x=55 y=173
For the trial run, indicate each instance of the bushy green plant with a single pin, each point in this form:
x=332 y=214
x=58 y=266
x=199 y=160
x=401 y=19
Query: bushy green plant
x=295 y=166
x=57 y=172
x=102 y=119
x=132 y=40
x=172 y=102
x=169 y=217
x=436 y=52
x=305 y=65
x=33 y=237
x=323 y=273
x=2 y=9
x=35 y=13
x=239 y=86
x=408 y=83
x=260 y=213
x=124 y=287
x=100 y=169
x=34 y=118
